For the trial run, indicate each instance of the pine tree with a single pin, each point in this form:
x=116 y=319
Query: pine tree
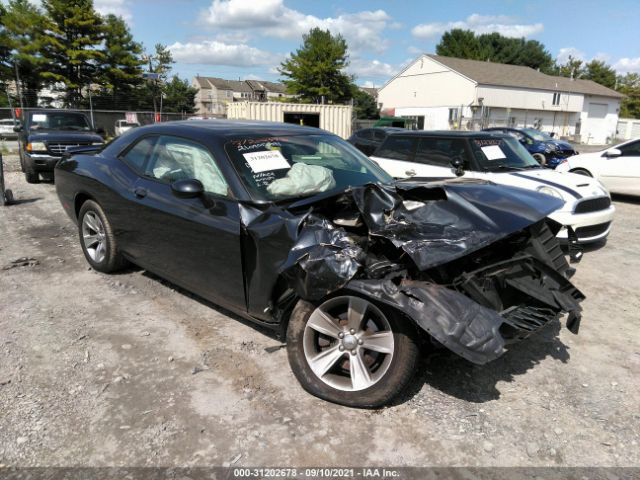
x=74 y=50
x=315 y=70
x=601 y=73
x=121 y=66
x=24 y=41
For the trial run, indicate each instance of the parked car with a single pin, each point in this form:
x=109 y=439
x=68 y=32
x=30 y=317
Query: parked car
x=7 y=128
x=618 y=168
x=294 y=229
x=368 y=139
x=501 y=159
x=122 y=126
x=46 y=136
x=547 y=150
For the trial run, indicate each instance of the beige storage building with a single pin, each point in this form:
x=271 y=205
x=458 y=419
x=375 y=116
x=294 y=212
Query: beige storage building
x=333 y=118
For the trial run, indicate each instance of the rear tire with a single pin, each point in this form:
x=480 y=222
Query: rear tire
x=97 y=240
x=581 y=171
x=345 y=370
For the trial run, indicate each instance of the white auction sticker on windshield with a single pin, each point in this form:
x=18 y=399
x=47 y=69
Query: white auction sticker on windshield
x=39 y=117
x=266 y=161
x=493 y=152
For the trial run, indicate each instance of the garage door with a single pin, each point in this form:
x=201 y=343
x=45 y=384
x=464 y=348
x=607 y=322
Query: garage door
x=595 y=131
x=597 y=110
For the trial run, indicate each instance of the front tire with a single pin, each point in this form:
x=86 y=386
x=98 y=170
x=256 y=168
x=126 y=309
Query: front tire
x=31 y=177
x=97 y=239
x=540 y=158
x=349 y=351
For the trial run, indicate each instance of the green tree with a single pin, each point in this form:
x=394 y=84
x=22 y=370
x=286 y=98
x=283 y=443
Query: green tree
x=600 y=72
x=572 y=68
x=629 y=85
x=23 y=29
x=120 y=69
x=315 y=71
x=459 y=43
x=179 y=96
x=364 y=105
x=75 y=51
x=495 y=48
x=159 y=63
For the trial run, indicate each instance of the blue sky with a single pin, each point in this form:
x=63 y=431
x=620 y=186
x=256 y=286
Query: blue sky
x=248 y=38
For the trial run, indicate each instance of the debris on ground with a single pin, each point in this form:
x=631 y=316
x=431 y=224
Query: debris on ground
x=22 y=262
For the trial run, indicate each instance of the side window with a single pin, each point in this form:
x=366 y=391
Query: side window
x=364 y=134
x=136 y=156
x=631 y=149
x=379 y=135
x=179 y=159
x=398 y=148
x=440 y=151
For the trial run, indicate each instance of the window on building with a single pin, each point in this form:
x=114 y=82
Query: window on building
x=556 y=98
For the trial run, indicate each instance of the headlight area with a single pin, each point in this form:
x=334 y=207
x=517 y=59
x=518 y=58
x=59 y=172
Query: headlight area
x=36 y=147
x=550 y=191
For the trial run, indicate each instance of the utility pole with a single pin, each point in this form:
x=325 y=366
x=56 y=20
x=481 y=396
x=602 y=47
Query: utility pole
x=18 y=88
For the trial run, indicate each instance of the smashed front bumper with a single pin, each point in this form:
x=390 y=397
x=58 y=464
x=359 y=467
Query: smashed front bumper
x=473 y=320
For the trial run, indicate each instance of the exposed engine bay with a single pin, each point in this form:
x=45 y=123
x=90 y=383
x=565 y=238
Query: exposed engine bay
x=474 y=265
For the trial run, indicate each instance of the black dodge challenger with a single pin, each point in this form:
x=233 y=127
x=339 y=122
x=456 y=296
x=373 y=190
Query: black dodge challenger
x=295 y=229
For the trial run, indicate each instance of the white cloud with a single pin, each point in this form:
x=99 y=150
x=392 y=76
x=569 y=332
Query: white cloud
x=502 y=24
x=627 y=65
x=116 y=7
x=212 y=52
x=362 y=30
x=371 y=69
x=566 y=52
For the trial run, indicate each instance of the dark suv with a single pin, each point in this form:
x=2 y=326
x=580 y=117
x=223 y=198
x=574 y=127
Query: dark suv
x=46 y=136
x=368 y=139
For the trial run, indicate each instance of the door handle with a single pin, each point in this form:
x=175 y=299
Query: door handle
x=140 y=192
x=410 y=173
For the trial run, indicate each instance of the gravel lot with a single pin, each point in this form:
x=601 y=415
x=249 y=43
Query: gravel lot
x=127 y=370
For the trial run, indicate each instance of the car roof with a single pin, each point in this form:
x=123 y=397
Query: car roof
x=449 y=133
x=229 y=128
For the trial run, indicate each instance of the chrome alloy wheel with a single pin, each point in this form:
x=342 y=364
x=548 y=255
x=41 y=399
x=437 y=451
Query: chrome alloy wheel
x=348 y=343
x=93 y=237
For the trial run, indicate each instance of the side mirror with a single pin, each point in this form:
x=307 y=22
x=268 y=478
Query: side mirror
x=187 y=188
x=612 y=153
x=17 y=129
x=458 y=166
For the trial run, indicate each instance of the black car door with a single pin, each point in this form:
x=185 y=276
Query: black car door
x=194 y=242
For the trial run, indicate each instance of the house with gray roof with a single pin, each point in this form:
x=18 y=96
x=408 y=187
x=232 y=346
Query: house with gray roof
x=214 y=94
x=451 y=93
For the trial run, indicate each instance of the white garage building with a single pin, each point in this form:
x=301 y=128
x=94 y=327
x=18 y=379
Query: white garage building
x=442 y=93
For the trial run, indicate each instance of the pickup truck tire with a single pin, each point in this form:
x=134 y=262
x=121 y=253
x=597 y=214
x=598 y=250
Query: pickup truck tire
x=31 y=177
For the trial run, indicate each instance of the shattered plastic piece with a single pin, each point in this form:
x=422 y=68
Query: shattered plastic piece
x=302 y=179
x=460 y=324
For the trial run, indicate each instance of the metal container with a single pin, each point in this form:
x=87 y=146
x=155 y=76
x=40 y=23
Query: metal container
x=333 y=118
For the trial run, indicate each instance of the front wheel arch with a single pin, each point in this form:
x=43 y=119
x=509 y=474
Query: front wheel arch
x=581 y=171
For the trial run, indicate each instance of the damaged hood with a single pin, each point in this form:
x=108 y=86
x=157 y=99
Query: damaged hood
x=435 y=223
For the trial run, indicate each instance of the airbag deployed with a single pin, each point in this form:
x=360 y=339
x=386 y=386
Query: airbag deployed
x=303 y=179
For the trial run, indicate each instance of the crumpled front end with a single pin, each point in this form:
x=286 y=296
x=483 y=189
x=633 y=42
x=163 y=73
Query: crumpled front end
x=475 y=265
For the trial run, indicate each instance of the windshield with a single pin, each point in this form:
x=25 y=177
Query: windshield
x=58 y=121
x=284 y=167
x=498 y=154
x=536 y=134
